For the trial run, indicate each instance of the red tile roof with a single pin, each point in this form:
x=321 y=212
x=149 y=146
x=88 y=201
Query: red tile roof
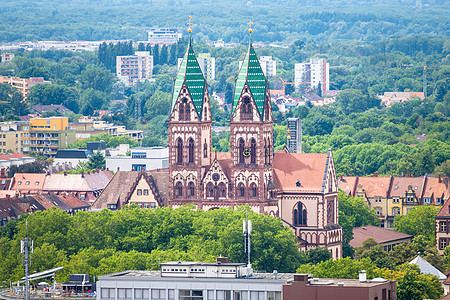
x=374 y=186
x=437 y=187
x=13 y=156
x=400 y=186
x=20 y=180
x=347 y=184
x=381 y=235
x=226 y=162
x=445 y=209
x=308 y=168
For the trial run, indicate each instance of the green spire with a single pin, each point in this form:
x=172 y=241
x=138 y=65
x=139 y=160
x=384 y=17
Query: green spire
x=191 y=74
x=252 y=74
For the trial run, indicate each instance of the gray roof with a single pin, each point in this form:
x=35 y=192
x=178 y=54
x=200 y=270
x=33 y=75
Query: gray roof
x=426 y=268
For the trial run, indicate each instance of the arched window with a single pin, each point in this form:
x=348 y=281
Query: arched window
x=179 y=151
x=191 y=151
x=254 y=191
x=241 y=151
x=253 y=152
x=179 y=190
x=265 y=152
x=205 y=150
x=210 y=190
x=299 y=215
x=241 y=190
x=269 y=152
x=191 y=189
x=222 y=190
x=246 y=109
x=187 y=112
x=181 y=112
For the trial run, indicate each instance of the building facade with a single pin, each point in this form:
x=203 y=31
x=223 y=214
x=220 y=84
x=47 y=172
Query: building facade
x=294 y=135
x=140 y=159
x=312 y=74
x=268 y=65
x=12 y=136
x=5 y=57
x=164 y=35
x=208 y=65
x=23 y=84
x=133 y=68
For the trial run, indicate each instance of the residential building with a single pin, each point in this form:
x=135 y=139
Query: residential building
x=304 y=287
x=208 y=65
x=12 y=136
x=301 y=189
x=268 y=65
x=89 y=128
x=47 y=135
x=390 y=98
x=70 y=158
x=28 y=183
x=387 y=238
x=42 y=109
x=294 y=135
x=442 y=227
x=164 y=35
x=140 y=159
x=133 y=68
x=311 y=74
x=5 y=57
x=392 y=196
x=14 y=159
x=23 y=84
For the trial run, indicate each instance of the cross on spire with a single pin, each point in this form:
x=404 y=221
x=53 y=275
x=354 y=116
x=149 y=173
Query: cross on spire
x=250 y=25
x=189 y=23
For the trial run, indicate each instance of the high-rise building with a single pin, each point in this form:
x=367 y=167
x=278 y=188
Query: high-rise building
x=12 y=136
x=312 y=73
x=23 y=84
x=47 y=135
x=268 y=65
x=294 y=135
x=207 y=65
x=164 y=35
x=133 y=68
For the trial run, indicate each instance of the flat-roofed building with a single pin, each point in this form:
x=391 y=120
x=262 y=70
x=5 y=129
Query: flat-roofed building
x=163 y=35
x=5 y=57
x=141 y=159
x=133 y=68
x=23 y=84
x=12 y=136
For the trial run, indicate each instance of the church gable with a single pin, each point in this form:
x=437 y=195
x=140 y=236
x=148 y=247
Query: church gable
x=206 y=111
x=216 y=181
x=246 y=109
x=329 y=181
x=184 y=108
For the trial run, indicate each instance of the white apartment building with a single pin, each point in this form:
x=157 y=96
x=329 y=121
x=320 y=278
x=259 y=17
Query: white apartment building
x=207 y=65
x=269 y=66
x=141 y=159
x=133 y=68
x=164 y=35
x=312 y=73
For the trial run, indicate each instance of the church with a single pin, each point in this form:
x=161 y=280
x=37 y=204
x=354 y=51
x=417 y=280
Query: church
x=299 y=188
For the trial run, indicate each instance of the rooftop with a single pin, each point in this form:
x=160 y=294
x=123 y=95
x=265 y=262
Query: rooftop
x=380 y=235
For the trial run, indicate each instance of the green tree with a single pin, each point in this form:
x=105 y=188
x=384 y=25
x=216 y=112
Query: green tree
x=96 y=161
x=419 y=221
x=318 y=255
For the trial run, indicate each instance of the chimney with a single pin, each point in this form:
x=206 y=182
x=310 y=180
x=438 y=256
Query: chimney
x=3 y=174
x=301 y=277
x=8 y=197
x=65 y=173
x=408 y=175
x=375 y=174
x=82 y=174
x=222 y=260
x=362 y=276
x=440 y=179
x=341 y=178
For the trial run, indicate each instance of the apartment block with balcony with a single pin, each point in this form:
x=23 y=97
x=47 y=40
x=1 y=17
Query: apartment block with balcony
x=23 y=84
x=311 y=74
x=133 y=68
x=268 y=65
x=164 y=35
x=47 y=135
x=5 y=57
x=12 y=136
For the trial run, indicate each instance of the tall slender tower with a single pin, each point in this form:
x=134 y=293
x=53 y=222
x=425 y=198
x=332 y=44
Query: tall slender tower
x=189 y=130
x=251 y=131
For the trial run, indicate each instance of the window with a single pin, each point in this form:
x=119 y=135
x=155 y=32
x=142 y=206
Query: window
x=254 y=190
x=146 y=192
x=139 y=192
x=138 y=167
x=191 y=295
x=138 y=155
x=222 y=189
x=108 y=293
x=241 y=151
x=246 y=109
x=124 y=294
x=300 y=215
x=438 y=200
x=27 y=182
x=410 y=198
x=178 y=190
x=152 y=205
x=223 y=295
x=36 y=183
x=395 y=200
x=442 y=244
x=426 y=200
x=241 y=190
x=158 y=294
x=141 y=293
x=210 y=189
x=253 y=152
x=273 y=295
x=19 y=182
x=191 y=189
x=379 y=211
x=443 y=226
x=191 y=151
x=395 y=211
x=205 y=150
x=179 y=151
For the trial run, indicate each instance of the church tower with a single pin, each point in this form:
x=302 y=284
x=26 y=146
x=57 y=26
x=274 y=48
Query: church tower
x=251 y=132
x=189 y=130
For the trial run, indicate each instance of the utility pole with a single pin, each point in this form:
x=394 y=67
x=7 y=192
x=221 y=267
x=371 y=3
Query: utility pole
x=26 y=248
x=247 y=229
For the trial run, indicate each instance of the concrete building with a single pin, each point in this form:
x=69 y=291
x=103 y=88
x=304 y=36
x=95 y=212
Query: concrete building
x=208 y=65
x=163 y=35
x=312 y=73
x=141 y=159
x=23 y=84
x=70 y=158
x=390 y=98
x=14 y=159
x=294 y=135
x=88 y=128
x=47 y=135
x=133 y=68
x=12 y=136
x=268 y=65
x=5 y=57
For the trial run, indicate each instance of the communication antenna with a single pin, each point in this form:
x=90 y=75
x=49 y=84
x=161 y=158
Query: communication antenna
x=247 y=229
x=26 y=248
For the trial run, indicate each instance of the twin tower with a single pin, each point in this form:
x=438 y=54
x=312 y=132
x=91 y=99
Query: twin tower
x=210 y=180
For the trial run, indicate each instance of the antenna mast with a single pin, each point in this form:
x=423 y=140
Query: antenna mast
x=26 y=248
x=247 y=229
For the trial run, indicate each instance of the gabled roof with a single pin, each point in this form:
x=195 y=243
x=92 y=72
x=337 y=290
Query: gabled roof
x=445 y=209
x=252 y=74
x=35 y=181
x=191 y=74
x=347 y=184
x=400 y=186
x=427 y=268
x=437 y=187
x=307 y=168
x=77 y=182
x=225 y=162
x=374 y=186
x=40 y=109
x=380 y=235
